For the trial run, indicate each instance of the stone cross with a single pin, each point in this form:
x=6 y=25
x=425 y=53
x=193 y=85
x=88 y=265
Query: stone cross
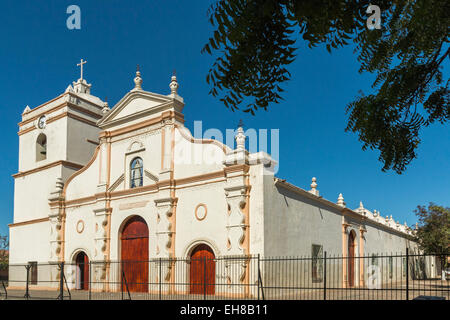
x=81 y=65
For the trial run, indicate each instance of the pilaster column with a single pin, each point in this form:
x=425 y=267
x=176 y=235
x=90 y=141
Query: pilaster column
x=237 y=228
x=165 y=235
x=362 y=230
x=102 y=237
x=57 y=225
x=345 y=226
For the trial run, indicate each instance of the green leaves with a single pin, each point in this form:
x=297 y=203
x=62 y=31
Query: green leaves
x=433 y=234
x=254 y=41
x=406 y=57
x=4 y=245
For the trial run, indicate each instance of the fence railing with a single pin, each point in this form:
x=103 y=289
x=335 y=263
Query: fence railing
x=321 y=277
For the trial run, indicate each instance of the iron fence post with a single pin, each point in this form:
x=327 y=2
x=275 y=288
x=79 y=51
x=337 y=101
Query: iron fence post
x=204 y=278
x=258 y=276
x=160 y=280
x=260 y=283
x=121 y=280
x=89 y=283
x=61 y=282
x=27 y=294
x=325 y=276
x=407 y=273
x=6 y=291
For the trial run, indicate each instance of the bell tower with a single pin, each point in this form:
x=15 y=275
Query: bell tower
x=56 y=139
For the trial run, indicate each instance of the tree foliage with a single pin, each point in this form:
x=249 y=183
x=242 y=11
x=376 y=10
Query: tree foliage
x=254 y=41
x=4 y=256
x=433 y=233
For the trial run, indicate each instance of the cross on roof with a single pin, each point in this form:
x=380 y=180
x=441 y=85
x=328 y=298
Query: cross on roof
x=81 y=65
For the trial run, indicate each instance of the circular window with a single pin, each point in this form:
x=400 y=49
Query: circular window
x=201 y=211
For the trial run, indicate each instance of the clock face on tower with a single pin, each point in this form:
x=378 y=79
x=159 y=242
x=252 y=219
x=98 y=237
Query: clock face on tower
x=42 y=122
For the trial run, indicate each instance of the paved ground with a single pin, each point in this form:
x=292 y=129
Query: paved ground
x=393 y=292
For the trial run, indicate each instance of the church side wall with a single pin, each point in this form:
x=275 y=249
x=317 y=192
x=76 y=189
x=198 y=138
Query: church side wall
x=293 y=223
x=256 y=211
x=379 y=241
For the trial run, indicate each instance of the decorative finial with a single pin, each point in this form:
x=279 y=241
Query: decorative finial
x=361 y=208
x=138 y=80
x=105 y=106
x=314 y=190
x=340 y=201
x=69 y=89
x=240 y=137
x=174 y=84
x=26 y=110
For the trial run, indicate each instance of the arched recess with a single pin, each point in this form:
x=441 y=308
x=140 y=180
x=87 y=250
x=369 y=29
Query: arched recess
x=351 y=258
x=82 y=271
x=41 y=147
x=134 y=254
x=202 y=270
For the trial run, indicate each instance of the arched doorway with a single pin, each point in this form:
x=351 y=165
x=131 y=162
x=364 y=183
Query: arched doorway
x=82 y=271
x=134 y=255
x=202 y=273
x=351 y=258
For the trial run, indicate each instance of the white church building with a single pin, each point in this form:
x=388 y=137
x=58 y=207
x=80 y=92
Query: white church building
x=100 y=185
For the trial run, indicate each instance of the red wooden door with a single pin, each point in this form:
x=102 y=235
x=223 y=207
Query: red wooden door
x=134 y=255
x=351 y=259
x=82 y=262
x=202 y=270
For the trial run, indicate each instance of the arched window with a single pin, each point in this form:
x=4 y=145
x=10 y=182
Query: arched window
x=41 y=147
x=136 y=173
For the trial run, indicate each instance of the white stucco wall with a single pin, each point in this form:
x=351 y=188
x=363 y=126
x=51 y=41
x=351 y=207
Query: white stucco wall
x=293 y=223
x=31 y=192
x=38 y=249
x=56 y=134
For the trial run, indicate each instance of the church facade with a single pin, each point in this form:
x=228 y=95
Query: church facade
x=104 y=185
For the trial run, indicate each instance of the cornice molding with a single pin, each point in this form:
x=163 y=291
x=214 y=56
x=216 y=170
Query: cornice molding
x=47 y=166
x=23 y=223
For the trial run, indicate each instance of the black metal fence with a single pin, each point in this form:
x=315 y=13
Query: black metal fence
x=322 y=277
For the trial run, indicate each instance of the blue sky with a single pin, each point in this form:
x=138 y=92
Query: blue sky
x=38 y=57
